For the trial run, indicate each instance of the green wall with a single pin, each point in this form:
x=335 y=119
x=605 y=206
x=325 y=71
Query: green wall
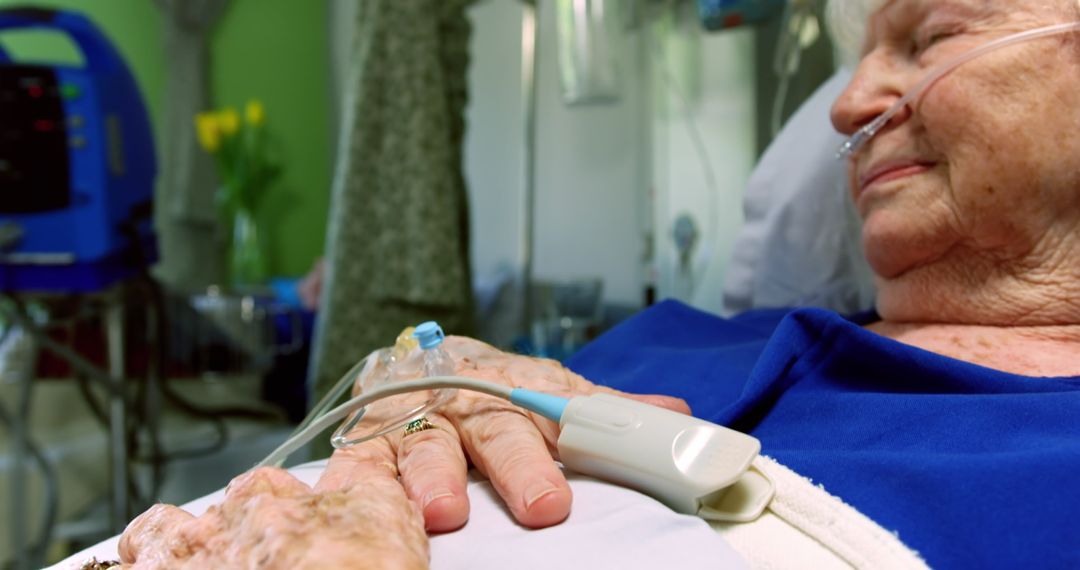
x=277 y=51
x=273 y=50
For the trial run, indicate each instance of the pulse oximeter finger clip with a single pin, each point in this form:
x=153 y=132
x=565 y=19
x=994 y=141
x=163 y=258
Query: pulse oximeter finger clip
x=691 y=465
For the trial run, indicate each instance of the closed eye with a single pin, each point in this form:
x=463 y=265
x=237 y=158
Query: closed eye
x=928 y=40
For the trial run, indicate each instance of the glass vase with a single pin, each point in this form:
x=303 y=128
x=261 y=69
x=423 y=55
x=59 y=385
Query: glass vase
x=247 y=263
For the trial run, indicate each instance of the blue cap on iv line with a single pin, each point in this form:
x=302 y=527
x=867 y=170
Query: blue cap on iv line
x=429 y=334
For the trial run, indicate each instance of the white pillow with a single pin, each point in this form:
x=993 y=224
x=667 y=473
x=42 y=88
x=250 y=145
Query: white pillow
x=800 y=244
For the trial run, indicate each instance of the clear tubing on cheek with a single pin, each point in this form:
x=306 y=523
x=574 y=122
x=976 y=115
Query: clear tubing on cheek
x=867 y=132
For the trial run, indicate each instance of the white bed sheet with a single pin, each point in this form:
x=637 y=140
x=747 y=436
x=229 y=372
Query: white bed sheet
x=609 y=527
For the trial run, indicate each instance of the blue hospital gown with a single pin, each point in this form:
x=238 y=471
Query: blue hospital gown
x=974 y=468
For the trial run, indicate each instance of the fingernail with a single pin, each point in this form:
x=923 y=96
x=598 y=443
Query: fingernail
x=537 y=491
x=435 y=494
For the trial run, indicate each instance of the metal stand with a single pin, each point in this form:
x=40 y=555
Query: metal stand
x=530 y=56
x=114 y=334
x=114 y=381
x=25 y=559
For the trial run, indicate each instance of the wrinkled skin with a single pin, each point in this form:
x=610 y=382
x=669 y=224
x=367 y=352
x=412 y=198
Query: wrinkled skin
x=270 y=520
x=969 y=196
x=361 y=514
x=514 y=448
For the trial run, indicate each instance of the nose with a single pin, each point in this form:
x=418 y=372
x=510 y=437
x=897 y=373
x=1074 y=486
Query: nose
x=874 y=87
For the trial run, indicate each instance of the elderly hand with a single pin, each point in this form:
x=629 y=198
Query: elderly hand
x=271 y=520
x=514 y=448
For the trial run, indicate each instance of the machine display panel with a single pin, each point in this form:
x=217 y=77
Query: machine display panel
x=34 y=167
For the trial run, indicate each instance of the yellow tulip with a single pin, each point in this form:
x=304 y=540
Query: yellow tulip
x=209 y=131
x=254 y=113
x=230 y=121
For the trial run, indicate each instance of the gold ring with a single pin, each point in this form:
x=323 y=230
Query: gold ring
x=419 y=425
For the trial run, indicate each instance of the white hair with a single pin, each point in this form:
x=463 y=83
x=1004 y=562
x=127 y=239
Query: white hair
x=846 y=21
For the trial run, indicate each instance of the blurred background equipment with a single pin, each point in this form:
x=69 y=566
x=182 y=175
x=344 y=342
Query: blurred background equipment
x=230 y=334
x=587 y=38
x=568 y=315
x=723 y=14
x=187 y=221
x=76 y=164
x=97 y=423
x=77 y=170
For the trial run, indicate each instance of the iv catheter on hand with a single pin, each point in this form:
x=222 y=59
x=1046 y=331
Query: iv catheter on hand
x=403 y=360
x=868 y=131
x=693 y=466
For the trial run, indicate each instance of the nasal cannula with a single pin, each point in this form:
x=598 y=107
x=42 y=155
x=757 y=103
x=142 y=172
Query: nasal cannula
x=868 y=131
x=691 y=465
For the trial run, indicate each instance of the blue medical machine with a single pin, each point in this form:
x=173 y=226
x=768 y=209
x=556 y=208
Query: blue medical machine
x=77 y=164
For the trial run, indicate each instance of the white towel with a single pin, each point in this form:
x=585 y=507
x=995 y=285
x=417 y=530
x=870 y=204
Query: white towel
x=806 y=527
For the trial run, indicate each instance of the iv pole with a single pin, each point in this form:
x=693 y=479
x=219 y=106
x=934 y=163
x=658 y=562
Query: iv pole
x=529 y=57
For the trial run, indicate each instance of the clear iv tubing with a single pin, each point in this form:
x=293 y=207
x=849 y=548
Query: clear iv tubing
x=333 y=395
x=863 y=135
x=327 y=420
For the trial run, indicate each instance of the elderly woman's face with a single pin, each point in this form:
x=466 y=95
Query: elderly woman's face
x=988 y=159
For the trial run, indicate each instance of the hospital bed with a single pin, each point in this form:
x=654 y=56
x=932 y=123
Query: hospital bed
x=645 y=533
x=614 y=527
x=611 y=526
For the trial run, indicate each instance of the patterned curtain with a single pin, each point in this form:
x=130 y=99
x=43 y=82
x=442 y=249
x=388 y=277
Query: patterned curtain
x=398 y=240
x=186 y=214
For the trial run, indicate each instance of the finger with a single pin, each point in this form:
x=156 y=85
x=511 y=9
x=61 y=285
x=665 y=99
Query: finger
x=660 y=400
x=506 y=446
x=668 y=402
x=356 y=464
x=366 y=474
x=387 y=529
x=149 y=530
x=273 y=480
x=434 y=472
x=577 y=383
